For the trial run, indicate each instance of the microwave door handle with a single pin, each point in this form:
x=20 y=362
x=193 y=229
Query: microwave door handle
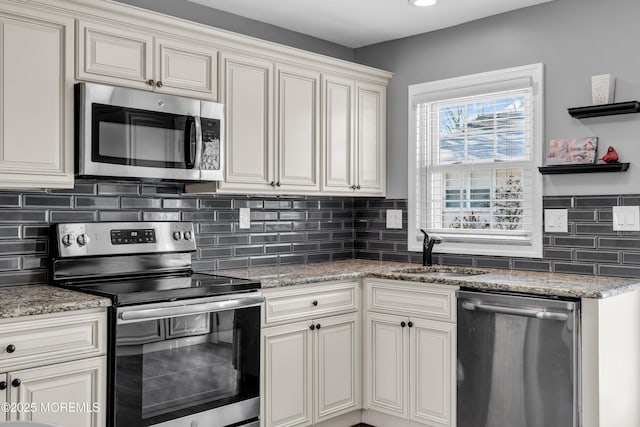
x=190 y=142
x=198 y=144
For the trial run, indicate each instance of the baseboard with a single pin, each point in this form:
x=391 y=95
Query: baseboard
x=379 y=419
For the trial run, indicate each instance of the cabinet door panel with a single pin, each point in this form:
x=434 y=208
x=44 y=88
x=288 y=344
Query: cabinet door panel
x=36 y=111
x=298 y=129
x=432 y=370
x=371 y=136
x=338 y=135
x=116 y=55
x=3 y=398
x=81 y=383
x=337 y=366
x=288 y=375
x=388 y=364
x=248 y=95
x=186 y=69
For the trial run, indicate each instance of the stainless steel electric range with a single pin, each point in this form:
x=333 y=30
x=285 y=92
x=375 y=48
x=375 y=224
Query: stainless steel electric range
x=184 y=347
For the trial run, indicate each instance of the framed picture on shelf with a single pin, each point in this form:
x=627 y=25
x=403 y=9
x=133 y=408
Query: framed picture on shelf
x=572 y=151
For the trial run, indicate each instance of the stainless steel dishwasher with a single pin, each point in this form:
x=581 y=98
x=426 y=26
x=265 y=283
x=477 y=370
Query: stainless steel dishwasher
x=518 y=361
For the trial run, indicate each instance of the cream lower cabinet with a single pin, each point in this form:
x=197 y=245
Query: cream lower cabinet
x=124 y=56
x=311 y=353
x=410 y=362
x=312 y=370
x=36 y=98
x=54 y=368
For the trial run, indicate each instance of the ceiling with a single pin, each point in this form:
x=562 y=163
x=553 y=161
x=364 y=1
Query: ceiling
x=357 y=23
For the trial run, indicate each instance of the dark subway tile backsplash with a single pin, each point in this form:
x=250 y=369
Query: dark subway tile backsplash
x=292 y=229
x=590 y=247
x=284 y=230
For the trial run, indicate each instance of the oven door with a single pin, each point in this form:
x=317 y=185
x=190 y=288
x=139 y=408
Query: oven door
x=193 y=363
x=136 y=134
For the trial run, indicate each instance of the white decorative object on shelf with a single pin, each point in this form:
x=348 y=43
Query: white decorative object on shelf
x=602 y=88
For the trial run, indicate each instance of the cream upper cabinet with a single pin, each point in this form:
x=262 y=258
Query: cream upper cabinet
x=298 y=129
x=354 y=140
x=371 y=140
x=338 y=127
x=124 y=56
x=247 y=92
x=36 y=95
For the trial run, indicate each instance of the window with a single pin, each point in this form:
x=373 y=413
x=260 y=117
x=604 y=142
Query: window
x=474 y=146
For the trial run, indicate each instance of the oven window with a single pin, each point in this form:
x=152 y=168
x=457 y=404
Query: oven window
x=129 y=136
x=174 y=367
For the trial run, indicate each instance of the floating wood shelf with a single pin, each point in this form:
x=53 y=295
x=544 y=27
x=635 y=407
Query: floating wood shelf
x=564 y=169
x=605 y=109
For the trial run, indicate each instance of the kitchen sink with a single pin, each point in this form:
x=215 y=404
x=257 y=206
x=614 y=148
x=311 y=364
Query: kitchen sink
x=440 y=271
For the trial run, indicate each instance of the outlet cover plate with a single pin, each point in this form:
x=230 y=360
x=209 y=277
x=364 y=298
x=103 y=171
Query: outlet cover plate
x=626 y=218
x=245 y=218
x=556 y=221
x=394 y=218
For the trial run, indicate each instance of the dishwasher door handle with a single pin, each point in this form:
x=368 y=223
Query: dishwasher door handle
x=538 y=314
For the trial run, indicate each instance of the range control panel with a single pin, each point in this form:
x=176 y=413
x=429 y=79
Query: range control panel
x=129 y=237
x=120 y=238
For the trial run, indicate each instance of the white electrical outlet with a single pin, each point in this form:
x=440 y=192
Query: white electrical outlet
x=245 y=218
x=626 y=218
x=556 y=221
x=394 y=218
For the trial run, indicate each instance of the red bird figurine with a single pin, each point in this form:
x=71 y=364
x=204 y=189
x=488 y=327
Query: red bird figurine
x=611 y=156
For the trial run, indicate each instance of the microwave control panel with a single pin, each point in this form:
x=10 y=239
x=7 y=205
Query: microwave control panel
x=210 y=143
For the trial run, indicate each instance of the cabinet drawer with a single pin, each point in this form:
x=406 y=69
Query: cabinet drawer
x=310 y=302
x=52 y=338
x=412 y=299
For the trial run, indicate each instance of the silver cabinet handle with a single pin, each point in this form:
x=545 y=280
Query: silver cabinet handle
x=188 y=309
x=543 y=315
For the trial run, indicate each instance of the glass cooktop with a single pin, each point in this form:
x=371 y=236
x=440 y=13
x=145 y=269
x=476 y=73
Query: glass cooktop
x=164 y=288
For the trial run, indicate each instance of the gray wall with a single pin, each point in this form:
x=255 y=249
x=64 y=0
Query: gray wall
x=575 y=39
x=227 y=21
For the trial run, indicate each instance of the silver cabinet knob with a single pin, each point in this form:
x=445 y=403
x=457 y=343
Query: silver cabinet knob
x=82 y=239
x=158 y=84
x=151 y=82
x=187 y=235
x=177 y=235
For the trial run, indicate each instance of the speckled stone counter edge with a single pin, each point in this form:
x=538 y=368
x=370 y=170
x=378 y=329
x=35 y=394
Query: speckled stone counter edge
x=28 y=300
x=544 y=284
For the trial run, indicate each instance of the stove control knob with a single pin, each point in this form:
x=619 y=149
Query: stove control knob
x=187 y=235
x=67 y=240
x=82 y=239
x=177 y=235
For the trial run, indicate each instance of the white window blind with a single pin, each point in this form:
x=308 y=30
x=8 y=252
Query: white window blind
x=473 y=163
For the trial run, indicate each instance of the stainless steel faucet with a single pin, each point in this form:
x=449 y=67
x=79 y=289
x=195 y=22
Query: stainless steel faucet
x=427 y=247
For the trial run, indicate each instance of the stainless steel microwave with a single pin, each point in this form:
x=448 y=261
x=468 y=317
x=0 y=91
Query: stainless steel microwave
x=130 y=133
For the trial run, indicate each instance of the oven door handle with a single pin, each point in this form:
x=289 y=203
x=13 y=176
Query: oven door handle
x=188 y=309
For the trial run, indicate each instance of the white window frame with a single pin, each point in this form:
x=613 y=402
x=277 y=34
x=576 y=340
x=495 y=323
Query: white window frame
x=493 y=81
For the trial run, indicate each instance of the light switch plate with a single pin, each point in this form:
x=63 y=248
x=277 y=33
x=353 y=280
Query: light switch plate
x=245 y=218
x=556 y=221
x=394 y=218
x=626 y=218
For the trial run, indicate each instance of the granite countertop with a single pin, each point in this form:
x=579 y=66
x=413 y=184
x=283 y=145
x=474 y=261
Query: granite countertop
x=26 y=300
x=550 y=284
